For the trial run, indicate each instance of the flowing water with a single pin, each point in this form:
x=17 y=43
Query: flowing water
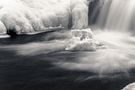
x=118 y=15
x=77 y=59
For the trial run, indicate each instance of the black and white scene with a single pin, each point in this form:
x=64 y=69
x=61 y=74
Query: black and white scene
x=67 y=44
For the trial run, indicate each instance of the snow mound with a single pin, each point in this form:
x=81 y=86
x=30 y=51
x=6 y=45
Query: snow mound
x=130 y=87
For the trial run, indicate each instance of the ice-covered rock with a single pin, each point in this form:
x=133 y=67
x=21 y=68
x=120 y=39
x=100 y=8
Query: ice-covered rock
x=130 y=87
x=33 y=15
x=82 y=40
x=82 y=34
x=24 y=16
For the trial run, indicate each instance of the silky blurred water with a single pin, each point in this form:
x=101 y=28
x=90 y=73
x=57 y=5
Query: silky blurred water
x=43 y=63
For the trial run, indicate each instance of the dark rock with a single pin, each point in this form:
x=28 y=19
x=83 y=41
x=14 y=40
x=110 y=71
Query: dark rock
x=12 y=32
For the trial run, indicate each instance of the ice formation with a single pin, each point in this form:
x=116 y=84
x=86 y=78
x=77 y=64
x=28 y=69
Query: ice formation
x=24 y=16
x=79 y=12
x=82 y=40
x=129 y=87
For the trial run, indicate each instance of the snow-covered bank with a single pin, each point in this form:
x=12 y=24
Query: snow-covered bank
x=37 y=15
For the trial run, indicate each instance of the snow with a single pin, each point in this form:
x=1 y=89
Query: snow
x=37 y=15
x=129 y=87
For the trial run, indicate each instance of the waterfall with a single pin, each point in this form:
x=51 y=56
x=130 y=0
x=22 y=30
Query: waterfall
x=116 y=15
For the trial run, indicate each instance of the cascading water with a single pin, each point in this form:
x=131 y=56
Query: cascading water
x=117 y=14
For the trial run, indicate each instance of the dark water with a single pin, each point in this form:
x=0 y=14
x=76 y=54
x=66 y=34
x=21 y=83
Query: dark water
x=37 y=71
